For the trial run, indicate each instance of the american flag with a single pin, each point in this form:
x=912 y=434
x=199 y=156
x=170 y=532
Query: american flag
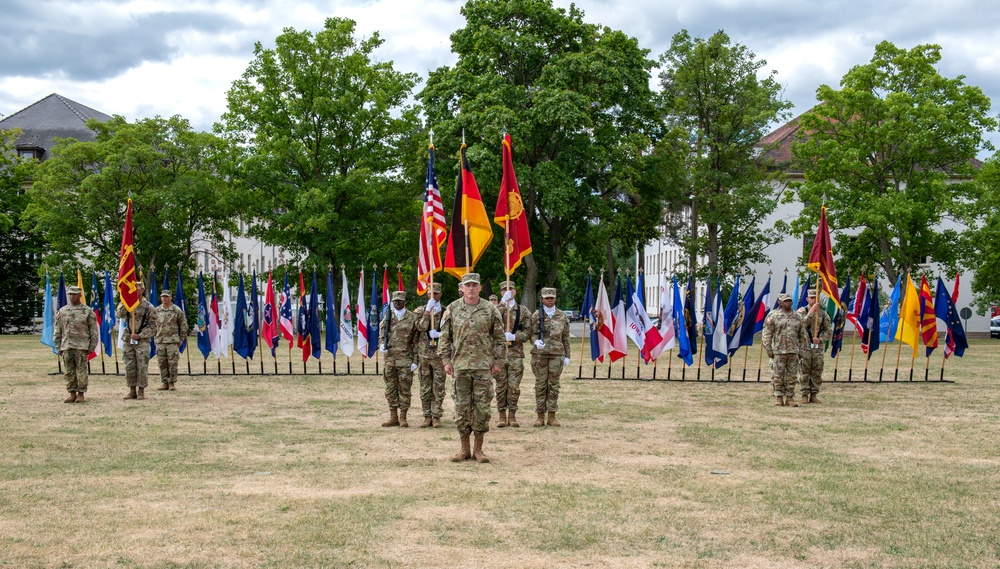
x=433 y=231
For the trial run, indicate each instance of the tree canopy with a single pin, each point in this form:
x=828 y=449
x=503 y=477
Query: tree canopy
x=20 y=252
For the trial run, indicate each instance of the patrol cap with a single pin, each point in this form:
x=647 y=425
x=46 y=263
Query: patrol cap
x=548 y=292
x=812 y=293
x=505 y=285
x=166 y=292
x=399 y=295
x=73 y=289
x=783 y=297
x=494 y=297
x=436 y=287
x=470 y=278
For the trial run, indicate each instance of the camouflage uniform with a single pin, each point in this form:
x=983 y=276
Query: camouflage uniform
x=136 y=355
x=547 y=362
x=171 y=330
x=432 y=377
x=75 y=336
x=399 y=337
x=783 y=335
x=472 y=341
x=811 y=361
x=511 y=372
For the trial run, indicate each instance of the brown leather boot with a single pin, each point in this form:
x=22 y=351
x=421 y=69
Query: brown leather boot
x=790 y=401
x=503 y=419
x=71 y=398
x=466 y=453
x=427 y=422
x=393 y=418
x=163 y=387
x=79 y=397
x=402 y=418
x=436 y=422
x=805 y=398
x=477 y=451
x=173 y=385
x=552 y=419
x=813 y=398
x=512 y=420
x=139 y=394
x=779 y=401
x=540 y=421
x=131 y=393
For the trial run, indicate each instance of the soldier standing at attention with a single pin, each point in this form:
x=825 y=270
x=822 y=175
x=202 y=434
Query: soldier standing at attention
x=432 y=378
x=397 y=338
x=512 y=368
x=75 y=335
x=814 y=319
x=782 y=341
x=494 y=300
x=550 y=335
x=171 y=329
x=140 y=326
x=472 y=344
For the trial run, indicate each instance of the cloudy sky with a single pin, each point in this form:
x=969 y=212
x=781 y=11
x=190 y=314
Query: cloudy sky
x=140 y=58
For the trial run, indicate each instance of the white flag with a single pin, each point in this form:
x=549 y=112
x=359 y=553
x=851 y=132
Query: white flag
x=346 y=325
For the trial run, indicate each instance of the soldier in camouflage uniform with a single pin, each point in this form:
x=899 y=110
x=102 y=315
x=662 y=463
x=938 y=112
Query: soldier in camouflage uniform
x=171 y=330
x=140 y=327
x=508 y=381
x=75 y=335
x=550 y=336
x=811 y=362
x=432 y=377
x=495 y=300
x=783 y=335
x=397 y=339
x=472 y=347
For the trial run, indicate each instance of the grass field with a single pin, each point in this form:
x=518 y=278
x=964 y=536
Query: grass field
x=295 y=472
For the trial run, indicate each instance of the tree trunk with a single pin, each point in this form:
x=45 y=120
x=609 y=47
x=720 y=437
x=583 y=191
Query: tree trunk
x=528 y=297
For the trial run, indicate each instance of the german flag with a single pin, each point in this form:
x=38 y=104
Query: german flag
x=470 y=226
x=821 y=260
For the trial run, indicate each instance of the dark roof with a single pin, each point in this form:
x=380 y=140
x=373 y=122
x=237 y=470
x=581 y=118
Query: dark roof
x=53 y=117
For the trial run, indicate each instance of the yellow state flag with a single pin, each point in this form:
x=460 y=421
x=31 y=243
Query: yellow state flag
x=908 y=330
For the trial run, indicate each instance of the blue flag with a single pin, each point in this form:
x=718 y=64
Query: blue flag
x=945 y=309
x=743 y=314
x=732 y=312
x=641 y=283
x=374 y=311
x=240 y=343
x=784 y=290
x=182 y=304
x=204 y=342
x=708 y=323
x=332 y=329
x=107 y=315
x=314 y=324
x=889 y=319
x=586 y=311
x=48 y=318
x=690 y=318
x=680 y=329
x=253 y=317
x=95 y=305
x=61 y=299
x=154 y=299
x=840 y=319
x=804 y=293
x=870 y=336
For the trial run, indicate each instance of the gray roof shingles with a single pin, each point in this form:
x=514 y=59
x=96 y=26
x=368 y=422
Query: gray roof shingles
x=53 y=117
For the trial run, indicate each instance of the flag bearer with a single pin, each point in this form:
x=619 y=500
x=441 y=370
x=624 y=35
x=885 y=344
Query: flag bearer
x=432 y=379
x=140 y=327
x=512 y=368
x=550 y=336
x=811 y=360
x=397 y=338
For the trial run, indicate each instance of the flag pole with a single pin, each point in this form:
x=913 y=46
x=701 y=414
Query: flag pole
x=899 y=347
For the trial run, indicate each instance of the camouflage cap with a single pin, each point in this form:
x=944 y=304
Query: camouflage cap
x=399 y=295
x=507 y=285
x=548 y=292
x=494 y=297
x=470 y=278
x=166 y=292
x=811 y=293
x=783 y=297
x=73 y=289
x=436 y=287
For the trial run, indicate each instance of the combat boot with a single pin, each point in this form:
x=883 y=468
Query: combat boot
x=466 y=453
x=79 y=397
x=163 y=387
x=402 y=418
x=131 y=394
x=71 y=398
x=477 y=451
x=436 y=422
x=427 y=422
x=512 y=420
x=813 y=398
x=139 y=394
x=805 y=398
x=779 y=401
x=503 y=419
x=552 y=419
x=540 y=421
x=173 y=385
x=393 y=418
x=790 y=401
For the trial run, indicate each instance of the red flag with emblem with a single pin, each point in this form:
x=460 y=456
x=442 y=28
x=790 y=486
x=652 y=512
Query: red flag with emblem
x=128 y=290
x=510 y=213
x=821 y=260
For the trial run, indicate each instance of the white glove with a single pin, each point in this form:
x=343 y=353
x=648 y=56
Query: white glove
x=382 y=349
x=507 y=296
x=434 y=334
x=510 y=336
x=413 y=367
x=540 y=344
x=565 y=361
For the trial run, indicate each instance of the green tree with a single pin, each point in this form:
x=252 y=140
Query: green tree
x=718 y=108
x=180 y=202
x=320 y=130
x=20 y=252
x=892 y=155
x=575 y=98
x=981 y=246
